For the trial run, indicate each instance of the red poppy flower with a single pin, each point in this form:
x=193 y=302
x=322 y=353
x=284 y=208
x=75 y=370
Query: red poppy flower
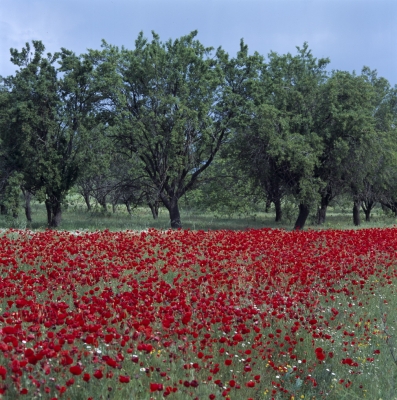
x=3 y=372
x=154 y=387
x=320 y=354
x=98 y=374
x=76 y=369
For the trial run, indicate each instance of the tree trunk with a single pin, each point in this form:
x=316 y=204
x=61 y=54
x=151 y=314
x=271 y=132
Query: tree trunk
x=394 y=209
x=279 y=211
x=302 y=216
x=391 y=206
x=54 y=212
x=268 y=204
x=28 y=207
x=154 y=207
x=356 y=213
x=175 y=216
x=48 y=209
x=322 y=211
x=326 y=198
x=170 y=202
x=102 y=203
x=3 y=209
x=127 y=204
x=321 y=215
x=87 y=201
x=367 y=207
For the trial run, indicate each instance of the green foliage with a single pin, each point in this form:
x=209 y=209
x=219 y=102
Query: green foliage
x=175 y=119
x=224 y=190
x=50 y=121
x=12 y=193
x=278 y=146
x=293 y=89
x=317 y=137
x=173 y=108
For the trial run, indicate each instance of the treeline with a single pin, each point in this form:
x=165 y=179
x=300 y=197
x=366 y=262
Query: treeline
x=165 y=120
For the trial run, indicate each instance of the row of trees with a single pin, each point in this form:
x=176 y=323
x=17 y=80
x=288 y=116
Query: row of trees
x=150 y=125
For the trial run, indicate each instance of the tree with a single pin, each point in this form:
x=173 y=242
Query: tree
x=355 y=144
x=32 y=110
x=253 y=144
x=8 y=176
x=382 y=187
x=123 y=183
x=280 y=146
x=173 y=109
x=224 y=189
x=51 y=118
x=346 y=116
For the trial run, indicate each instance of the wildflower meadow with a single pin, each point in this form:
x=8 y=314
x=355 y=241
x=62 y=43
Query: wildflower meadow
x=179 y=314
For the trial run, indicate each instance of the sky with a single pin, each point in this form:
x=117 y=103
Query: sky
x=352 y=33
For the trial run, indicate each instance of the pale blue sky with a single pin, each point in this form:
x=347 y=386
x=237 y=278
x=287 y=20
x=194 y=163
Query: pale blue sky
x=352 y=33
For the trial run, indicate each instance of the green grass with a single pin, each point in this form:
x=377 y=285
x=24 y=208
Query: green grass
x=76 y=217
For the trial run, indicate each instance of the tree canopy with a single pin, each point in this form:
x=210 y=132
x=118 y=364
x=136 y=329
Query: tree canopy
x=150 y=124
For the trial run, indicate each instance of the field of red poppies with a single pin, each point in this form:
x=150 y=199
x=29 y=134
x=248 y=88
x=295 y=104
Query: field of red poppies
x=257 y=314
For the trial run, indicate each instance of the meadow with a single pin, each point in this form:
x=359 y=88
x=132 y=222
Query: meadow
x=224 y=313
x=76 y=217
x=235 y=314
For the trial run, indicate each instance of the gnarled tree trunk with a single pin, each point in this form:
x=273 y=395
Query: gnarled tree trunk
x=171 y=204
x=268 y=204
x=102 y=203
x=279 y=211
x=54 y=211
x=356 y=213
x=321 y=214
x=154 y=208
x=322 y=210
x=391 y=205
x=28 y=207
x=175 y=216
x=367 y=207
x=302 y=216
x=128 y=206
x=87 y=200
x=326 y=198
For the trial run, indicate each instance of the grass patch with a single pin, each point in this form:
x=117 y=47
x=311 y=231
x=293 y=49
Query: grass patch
x=75 y=217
